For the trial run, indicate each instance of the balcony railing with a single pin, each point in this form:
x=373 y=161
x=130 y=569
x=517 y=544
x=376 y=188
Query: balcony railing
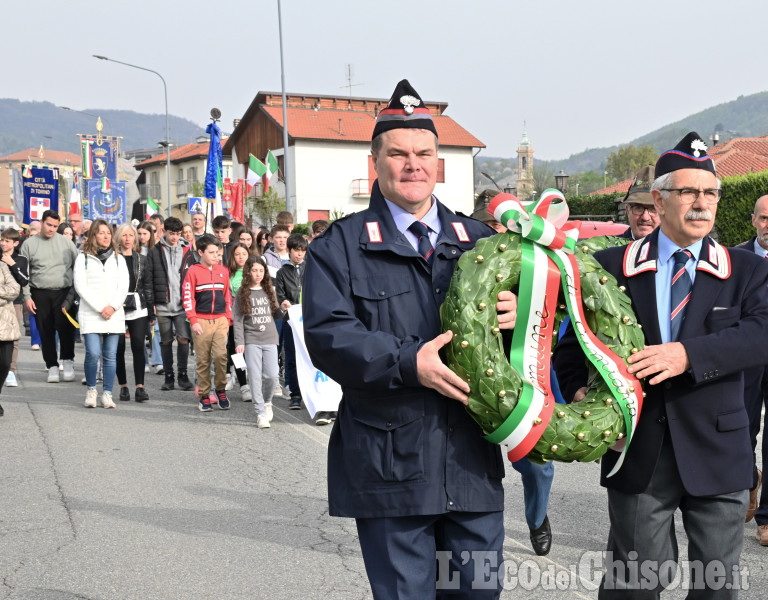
x=151 y=190
x=185 y=187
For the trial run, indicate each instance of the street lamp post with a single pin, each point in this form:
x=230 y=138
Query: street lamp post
x=167 y=134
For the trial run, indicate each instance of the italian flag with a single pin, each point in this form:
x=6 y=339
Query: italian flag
x=256 y=172
x=106 y=186
x=152 y=207
x=272 y=169
x=74 y=198
x=87 y=156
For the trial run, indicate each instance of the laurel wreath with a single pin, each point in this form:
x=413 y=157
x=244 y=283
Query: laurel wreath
x=581 y=431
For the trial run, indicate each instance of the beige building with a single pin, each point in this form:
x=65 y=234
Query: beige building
x=188 y=165
x=67 y=163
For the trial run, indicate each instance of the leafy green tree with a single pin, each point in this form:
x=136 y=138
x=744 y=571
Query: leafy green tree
x=588 y=182
x=627 y=161
x=266 y=207
x=543 y=177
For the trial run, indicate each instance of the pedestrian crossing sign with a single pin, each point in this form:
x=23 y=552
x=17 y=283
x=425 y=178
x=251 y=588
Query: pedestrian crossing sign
x=195 y=205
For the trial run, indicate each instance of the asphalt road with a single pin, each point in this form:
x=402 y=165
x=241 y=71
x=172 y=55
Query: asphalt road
x=159 y=501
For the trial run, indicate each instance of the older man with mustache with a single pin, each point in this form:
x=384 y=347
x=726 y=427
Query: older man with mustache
x=704 y=312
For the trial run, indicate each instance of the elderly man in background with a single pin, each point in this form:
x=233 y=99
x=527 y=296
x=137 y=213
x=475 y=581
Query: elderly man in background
x=641 y=211
x=756 y=390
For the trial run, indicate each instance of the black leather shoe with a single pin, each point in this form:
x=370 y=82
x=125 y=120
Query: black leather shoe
x=541 y=538
x=168 y=384
x=125 y=394
x=141 y=395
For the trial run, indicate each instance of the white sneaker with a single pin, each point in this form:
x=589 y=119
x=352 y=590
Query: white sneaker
x=146 y=369
x=69 y=370
x=10 y=380
x=245 y=393
x=53 y=374
x=262 y=422
x=106 y=400
x=61 y=365
x=36 y=347
x=90 y=398
x=270 y=415
x=230 y=382
x=159 y=370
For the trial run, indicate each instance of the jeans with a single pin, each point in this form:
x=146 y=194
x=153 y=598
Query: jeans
x=104 y=344
x=34 y=334
x=168 y=325
x=537 y=482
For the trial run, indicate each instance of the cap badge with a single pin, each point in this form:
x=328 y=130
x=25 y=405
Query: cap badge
x=698 y=146
x=409 y=102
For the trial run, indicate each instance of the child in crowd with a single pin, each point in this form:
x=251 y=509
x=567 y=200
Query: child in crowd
x=254 y=313
x=18 y=267
x=207 y=302
x=222 y=231
x=237 y=259
x=277 y=256
x=288 y=288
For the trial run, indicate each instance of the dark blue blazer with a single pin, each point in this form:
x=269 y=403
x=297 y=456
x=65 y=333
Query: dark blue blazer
x=370 y=302
x=724 y=332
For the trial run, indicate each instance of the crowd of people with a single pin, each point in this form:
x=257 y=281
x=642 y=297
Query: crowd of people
x=144 y=286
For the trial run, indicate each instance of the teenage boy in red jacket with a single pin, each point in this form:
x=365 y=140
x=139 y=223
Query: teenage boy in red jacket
x=207 y=302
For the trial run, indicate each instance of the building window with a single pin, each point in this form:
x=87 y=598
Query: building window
x=192 y=174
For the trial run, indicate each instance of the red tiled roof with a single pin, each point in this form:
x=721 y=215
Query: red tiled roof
x=56 y=157
x=738 y=156
x=185 y=152
x=621 y=186
x=357 y=126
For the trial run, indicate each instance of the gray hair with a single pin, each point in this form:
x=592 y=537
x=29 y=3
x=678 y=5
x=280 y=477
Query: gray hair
x=661 y=184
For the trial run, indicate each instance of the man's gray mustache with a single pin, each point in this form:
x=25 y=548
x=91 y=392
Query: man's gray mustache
x=696 y=214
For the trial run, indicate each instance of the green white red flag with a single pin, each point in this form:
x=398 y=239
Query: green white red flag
x=256 y=172
x=152 y=207
x=87 y=158
x=272 y=168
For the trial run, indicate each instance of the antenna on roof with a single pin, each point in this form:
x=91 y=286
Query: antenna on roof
x=350 y=85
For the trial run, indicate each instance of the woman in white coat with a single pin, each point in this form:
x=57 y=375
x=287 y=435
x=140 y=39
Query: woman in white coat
x=101 y=281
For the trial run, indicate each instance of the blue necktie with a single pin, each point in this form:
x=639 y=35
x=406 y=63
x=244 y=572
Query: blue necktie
x=681 y=293
x=421 y=231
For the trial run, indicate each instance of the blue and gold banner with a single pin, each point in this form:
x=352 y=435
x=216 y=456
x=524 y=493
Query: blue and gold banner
x=108 y=205
x=41 y=191
x=104 y=151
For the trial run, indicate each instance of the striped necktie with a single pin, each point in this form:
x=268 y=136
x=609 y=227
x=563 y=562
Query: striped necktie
x=421 y=231
x=681 y=293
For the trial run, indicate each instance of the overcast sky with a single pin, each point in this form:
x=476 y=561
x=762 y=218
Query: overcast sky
x=580 y=74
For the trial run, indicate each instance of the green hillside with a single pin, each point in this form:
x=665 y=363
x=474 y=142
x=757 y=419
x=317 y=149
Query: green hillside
x=747 y=116
x=30 y=124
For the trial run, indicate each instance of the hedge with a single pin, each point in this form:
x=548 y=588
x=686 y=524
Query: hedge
x=740 y=192
x=600 y=204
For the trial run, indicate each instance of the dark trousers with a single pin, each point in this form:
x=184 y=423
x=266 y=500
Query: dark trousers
x=453 y=555
x=6 y=353
x=754 y=400
x=50 y=320
x=289 y=346
x=136 y=329
x=242 y=379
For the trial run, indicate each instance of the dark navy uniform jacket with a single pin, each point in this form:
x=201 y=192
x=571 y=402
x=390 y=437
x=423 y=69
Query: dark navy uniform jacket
x=724 y=332
x=370 y=302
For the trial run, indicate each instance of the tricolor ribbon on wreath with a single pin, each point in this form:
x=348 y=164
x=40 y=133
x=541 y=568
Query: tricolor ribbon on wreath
x=548 y=264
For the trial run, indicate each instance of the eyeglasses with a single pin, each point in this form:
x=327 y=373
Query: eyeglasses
x=639 y=209
x=690 y=195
